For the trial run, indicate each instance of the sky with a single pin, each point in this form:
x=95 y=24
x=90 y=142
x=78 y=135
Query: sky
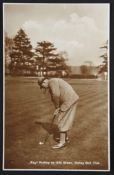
x=78 y=29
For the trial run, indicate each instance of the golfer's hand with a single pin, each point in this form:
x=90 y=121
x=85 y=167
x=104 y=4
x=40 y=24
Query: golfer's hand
x=57 y=111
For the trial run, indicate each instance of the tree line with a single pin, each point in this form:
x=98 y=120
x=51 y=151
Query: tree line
x=43 y=60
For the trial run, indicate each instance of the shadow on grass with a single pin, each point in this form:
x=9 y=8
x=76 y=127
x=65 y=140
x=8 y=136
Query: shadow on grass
x=52 y=129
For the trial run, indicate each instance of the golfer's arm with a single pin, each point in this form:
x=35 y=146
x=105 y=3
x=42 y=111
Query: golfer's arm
x=55 y=94
x=55 y=100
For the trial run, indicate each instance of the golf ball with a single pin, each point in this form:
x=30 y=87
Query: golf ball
x=41 y=143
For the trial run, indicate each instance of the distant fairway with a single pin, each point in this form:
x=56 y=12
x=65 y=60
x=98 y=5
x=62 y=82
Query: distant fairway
x=28 y=113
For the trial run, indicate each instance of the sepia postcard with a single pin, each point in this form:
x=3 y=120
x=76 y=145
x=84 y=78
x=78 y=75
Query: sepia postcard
x=56 y=77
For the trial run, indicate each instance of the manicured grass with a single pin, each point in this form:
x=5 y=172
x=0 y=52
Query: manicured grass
x=28 y=113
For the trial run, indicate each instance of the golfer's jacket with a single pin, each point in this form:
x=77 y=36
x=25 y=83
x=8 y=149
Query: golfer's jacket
x=62 y=93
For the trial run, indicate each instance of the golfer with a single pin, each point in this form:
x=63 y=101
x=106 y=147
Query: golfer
x=65 y=100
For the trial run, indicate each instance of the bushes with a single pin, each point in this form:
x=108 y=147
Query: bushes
x=81 y=76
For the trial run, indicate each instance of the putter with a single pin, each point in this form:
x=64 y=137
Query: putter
x=48 y=134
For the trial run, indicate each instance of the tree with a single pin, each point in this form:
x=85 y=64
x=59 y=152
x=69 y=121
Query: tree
x=21 y=52
x=63 y=67
x=84 y=69
x=104 y=65
x=49 y=61
x=44 y=51
x=8 y=49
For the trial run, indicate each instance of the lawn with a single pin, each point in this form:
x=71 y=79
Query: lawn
x=28 y=113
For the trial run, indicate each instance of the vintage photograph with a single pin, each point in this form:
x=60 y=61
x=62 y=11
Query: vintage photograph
x=56 y=110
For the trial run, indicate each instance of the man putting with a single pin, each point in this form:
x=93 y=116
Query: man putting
x=65 y=101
